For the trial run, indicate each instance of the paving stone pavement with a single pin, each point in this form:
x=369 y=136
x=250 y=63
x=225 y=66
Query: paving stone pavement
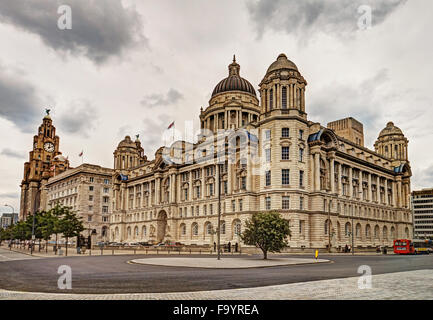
x=409 y=285
x=226 y=263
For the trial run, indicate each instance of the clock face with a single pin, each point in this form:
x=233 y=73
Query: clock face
x=49 y=147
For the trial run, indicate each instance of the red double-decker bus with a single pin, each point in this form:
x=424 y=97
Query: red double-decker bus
x=403 y=246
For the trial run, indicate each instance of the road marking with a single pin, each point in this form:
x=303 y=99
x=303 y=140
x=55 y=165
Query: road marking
x=5 y=257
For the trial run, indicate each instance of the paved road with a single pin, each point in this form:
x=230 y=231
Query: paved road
x=113 y=274
x=7 y=255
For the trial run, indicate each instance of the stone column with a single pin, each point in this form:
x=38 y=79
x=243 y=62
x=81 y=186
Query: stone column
x=190 y=189
x=386 y=191
x=399 y=195
x=350 y=182
x=157 y=190
x=332 y=172
x=229 y=178
x=378 y=189
x=317 y=171
x=370 y=193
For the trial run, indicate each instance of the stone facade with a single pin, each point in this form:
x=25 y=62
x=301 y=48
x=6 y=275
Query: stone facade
x=45 y=160
x=263 y=155
x=87 y=189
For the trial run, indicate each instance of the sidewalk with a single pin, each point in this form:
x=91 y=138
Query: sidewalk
x=72 y=252
x=415 y=285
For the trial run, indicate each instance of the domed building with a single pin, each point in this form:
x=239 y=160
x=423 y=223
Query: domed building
x=259 y=152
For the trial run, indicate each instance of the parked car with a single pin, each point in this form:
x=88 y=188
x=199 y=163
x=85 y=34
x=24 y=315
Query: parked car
x=161 y=244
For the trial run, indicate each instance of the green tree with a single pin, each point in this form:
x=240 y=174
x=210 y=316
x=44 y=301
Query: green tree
x=267 y=231
x=50 y=225
x=70 y=225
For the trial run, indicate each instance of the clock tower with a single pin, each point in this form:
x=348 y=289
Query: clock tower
x=45 y=161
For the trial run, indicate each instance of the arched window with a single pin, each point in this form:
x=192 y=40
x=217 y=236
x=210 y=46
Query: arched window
x=284 y=97
x=392 y=233
x=368 y=231
x=183 y=229
x=223 y=227
x=347 y=229
x=385 y=232
x=209 y=228
x=358 y=230
x=194 y=229
x=376 y=231
x=136 y=232
x=237 y=228
x=144 y=231
x=128 y=232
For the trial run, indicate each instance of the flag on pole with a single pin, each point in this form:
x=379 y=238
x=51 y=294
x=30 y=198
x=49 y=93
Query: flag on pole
x=81 y=154
x=171 y=125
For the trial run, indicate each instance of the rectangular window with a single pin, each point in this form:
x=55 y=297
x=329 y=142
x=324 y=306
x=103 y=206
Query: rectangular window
x=244 y=183
x=240 y=205
x=301 y=134
x=90 y=188
x=192 y=211
x=225 y=187
x=285 y=152
x=285 y=132
x=104 y=209
x=211 y=209
x=106 y=190
x=267 y=134
x=301 y=155
x=285 y=202
x=185 y=194
x=89 y=218
x=268 y=203
x=268 y=178
x=90 y=198
x=197 y=191
x=204 y=209
x=90 y=208
x=284 y=97
x=301 y=178
x=301 y=203
x=285 y=176
x=211 y=189
x=233 y=205
x=268 y=155
x=106 y=181
x=197 y=210
x=92 y=179
x=301 y=227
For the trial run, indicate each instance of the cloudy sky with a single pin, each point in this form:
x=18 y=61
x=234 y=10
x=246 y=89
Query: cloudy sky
x=129 y=67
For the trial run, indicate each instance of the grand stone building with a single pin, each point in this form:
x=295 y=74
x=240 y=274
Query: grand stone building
x=261 y=153
x=45 y=161
x=87 y=190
